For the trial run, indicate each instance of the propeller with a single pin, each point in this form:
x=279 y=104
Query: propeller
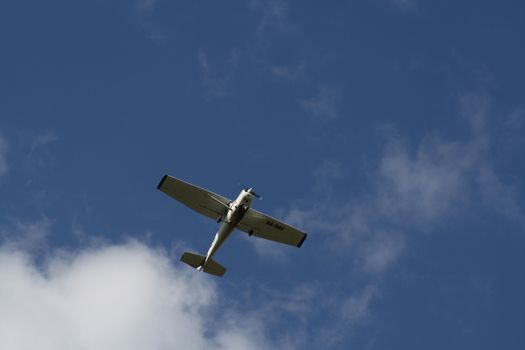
x=250 y=190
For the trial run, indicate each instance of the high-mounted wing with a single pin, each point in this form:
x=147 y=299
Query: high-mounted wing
x=203 y=201
x=264 y=226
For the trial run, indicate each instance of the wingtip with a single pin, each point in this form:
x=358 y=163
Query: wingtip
x=161 y=182
x=302 y=240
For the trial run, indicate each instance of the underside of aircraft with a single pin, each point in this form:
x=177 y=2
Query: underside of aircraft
x=231 y=215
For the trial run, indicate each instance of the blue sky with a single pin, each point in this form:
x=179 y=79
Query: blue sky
x=390 y=130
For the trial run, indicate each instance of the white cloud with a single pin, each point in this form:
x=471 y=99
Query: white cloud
x=115 y=297
x=325 y=105
x=4 y=147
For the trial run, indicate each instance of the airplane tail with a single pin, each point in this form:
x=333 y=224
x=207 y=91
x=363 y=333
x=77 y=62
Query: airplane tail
x=196 y=261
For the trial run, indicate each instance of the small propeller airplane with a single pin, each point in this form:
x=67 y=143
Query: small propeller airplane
x=231 y=215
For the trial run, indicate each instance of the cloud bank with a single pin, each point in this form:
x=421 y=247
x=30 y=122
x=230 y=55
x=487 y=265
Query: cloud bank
x=125 y=296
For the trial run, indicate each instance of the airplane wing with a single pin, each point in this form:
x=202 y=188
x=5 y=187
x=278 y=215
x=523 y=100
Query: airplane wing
x=202 y=201
x=264 y=226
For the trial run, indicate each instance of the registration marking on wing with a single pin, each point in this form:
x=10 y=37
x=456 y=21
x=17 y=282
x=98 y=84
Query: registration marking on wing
x=275 y=225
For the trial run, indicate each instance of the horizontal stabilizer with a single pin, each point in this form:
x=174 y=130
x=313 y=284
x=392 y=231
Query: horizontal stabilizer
x=214 y=268
x=196 y=261
x=193 y=260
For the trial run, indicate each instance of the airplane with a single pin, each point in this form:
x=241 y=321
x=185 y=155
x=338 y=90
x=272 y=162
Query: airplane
x=231 y=215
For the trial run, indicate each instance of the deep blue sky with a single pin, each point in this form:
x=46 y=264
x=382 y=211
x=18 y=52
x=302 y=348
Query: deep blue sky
x=391 y=130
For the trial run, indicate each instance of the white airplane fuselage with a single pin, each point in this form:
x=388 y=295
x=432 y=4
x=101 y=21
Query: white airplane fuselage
x=229 y=222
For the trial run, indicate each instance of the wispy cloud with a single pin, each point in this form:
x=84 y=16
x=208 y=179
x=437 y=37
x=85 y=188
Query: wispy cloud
x=293 y=73
x=43 y=139
x=30 y=150
x=146 y=5
x=411 y=189
x=217 y=83
x=325 y=105
x=4 y=147
x=219 y=73
x=273 y=14
x=147 y=22
x=304 y=307
x=125 y=296
x=293 y=313
x=268 y=250
x=424 y=185
x=356 y=309
x=323 y=176
x=25 y=235
x=503 y=198
x=39 y=155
